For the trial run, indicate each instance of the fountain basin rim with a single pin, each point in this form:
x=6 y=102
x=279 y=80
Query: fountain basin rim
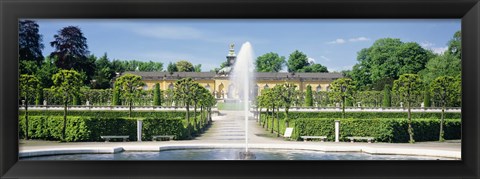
x=157 y=148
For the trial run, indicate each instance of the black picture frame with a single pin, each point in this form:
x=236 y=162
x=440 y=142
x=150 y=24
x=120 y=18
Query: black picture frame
x=467 y=10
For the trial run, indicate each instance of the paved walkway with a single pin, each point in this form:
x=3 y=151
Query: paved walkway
x=228 y=131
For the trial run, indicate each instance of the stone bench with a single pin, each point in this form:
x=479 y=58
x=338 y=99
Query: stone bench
x=369 y=139
x=305 y=138
x=167 y=137
x=107 y=138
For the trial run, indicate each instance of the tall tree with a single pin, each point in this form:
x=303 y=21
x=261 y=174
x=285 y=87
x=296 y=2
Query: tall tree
x=269 y=62
x=426 y=97
x=172 y=67
x=408 y=87
x=387 y=96
x=314 y=68
x=129 y=85
x=116 y=96
x=308 y=96
x=29 y=85
x=455 y=45
x=157 y=95
x=104 y=73
x=183 y=92
x=442 y=65
x=29 y=42
x=296 y=61
x=445 y=91
x=71 y=50
x=386 y=60
x=66 y=84
x=197 y=68
x=342 y=89
x=287 y=96
x=185 y=66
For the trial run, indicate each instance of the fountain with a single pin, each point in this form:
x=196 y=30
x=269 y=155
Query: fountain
x=242 y=78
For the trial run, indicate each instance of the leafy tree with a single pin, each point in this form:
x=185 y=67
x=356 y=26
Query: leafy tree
x=426 y=97
x=287 y=96
x=455 y=45
x=185 y=66
x=104 y=73
x=387 y=96
x=386 y=60
x=29 y=85
x=157 y=95
x=441 y=65
x=183 y=92
x=444 y=91
x=116 y=96
x=172 y=67
x=66 y=84
x=71 y=50
x=269 y=62
x=29 y=42
x=314 y=68
x=341 y=89
x=197 y=68
x=408 y=87
x=296 y=61
x=129 y=85
x=197 y=94
x=308 y=96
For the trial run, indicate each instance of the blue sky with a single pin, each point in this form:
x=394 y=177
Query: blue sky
x=333 y=43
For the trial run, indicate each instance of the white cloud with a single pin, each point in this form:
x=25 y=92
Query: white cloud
x=439 y=50
x=426 y=44
x=359 y=39
x=342 y=41
x=311 y=60
x=169 y=32
x=338 y=41
x=341 y=68
x=325 y=58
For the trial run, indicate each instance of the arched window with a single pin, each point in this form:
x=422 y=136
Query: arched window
x=319 y=88
x=170 y=86
x=266 y=87
x=328 y=88
x=145 y=87
x=207 y=87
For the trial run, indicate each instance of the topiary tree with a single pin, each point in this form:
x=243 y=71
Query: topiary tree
x=444 y=91
x=426 y=97
x=129 y=85
x=183 y=92
x=29 y=85
x=308 y=96
x=157 y=95
x=341 y=89
x=387 y=96
x=408 y=87
x=287 y=96
x=116 y=96
x=66 y=84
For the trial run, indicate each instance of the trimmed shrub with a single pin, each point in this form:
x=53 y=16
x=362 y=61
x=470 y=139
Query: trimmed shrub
x=153 y=127
x=108 y=114
x=384 y=130
x=78 y=128
x=368 y=115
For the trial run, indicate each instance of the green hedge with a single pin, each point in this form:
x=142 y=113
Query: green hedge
x=368 y=115
x=90 y=128
x=109 y=114
x=384 y=130
x=78 y=128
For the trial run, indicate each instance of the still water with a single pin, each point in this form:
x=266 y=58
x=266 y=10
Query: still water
x=233 y=154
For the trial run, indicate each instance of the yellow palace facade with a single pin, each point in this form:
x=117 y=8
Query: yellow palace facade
x=222 y=88
x=219 y=85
